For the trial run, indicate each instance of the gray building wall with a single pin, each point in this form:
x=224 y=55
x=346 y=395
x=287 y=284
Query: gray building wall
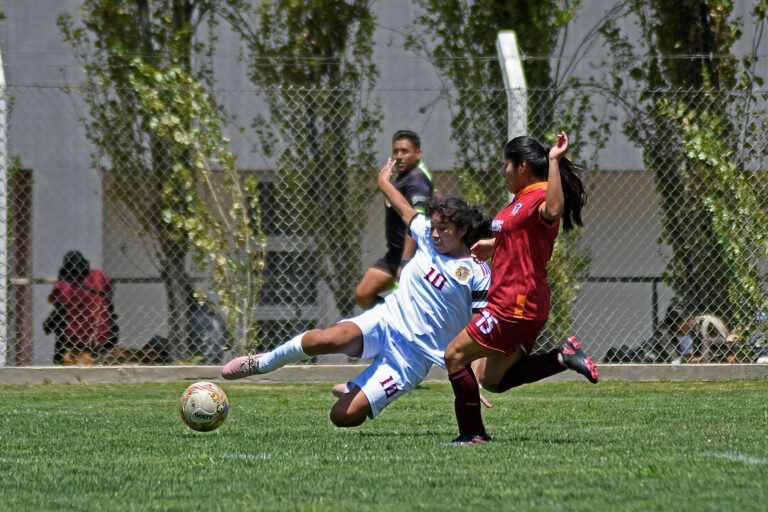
x=69 y=211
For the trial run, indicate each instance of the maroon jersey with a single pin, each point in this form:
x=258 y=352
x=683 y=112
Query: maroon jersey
x=524 y=243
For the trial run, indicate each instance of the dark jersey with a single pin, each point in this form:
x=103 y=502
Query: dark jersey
x=416 y=186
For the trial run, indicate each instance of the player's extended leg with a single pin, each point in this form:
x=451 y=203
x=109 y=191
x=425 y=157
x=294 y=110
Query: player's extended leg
x=343 y=338
x=351 y=409
x=374 y=282
x=498 y=374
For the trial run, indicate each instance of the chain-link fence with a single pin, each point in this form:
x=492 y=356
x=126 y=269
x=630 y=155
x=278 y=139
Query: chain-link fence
x=138 y=231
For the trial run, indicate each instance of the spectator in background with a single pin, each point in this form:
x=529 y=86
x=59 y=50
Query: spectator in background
x=675 y=339
x=84 y=297
x=207 y=333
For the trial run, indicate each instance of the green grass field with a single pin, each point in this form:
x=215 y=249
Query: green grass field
x=616 y=446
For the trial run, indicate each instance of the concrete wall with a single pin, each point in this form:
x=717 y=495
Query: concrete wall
x=68 y=210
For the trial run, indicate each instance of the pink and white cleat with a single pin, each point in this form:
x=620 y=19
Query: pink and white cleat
x=241 y=367
x=571 y=356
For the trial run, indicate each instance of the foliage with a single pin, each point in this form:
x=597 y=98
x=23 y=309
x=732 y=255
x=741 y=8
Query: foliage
x=312 y=64
x=460 y=40
x=735 y=197
x=464 y=51
x=694 y=89
x=157 y=133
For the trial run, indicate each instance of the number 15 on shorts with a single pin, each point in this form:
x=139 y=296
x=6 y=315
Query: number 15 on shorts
x=485 y=322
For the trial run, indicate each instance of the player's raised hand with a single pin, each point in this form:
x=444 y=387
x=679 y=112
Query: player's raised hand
x=385 y=174
x=560 y=147
x=482 y=250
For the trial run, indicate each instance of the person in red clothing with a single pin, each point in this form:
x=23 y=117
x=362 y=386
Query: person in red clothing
x=85 y=298
x=502 y=336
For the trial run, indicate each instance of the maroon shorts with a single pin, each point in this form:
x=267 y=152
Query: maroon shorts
x=503 y=335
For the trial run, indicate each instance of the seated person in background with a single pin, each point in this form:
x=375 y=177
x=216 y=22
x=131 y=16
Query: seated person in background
x=675 y=340
x=85 y=296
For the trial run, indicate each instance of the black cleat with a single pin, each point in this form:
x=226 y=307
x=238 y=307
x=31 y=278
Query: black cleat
x=571 y=356
x=469 y=439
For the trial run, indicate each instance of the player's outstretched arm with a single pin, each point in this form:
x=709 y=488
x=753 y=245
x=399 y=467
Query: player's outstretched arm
x=395 y=198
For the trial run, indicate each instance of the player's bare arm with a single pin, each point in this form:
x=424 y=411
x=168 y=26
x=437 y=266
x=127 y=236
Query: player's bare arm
x=482 y=250
x=554 y=202
x=395 y=198
x=409 y=249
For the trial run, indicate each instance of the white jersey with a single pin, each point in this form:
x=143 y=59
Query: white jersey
x=436 y=295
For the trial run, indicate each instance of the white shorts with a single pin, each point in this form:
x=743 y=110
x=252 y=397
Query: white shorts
x=396 y=367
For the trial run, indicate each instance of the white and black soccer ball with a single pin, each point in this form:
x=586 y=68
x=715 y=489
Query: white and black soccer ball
x=203 y=406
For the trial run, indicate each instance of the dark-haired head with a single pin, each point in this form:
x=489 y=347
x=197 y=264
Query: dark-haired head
x=677 y=314
x=74 y=268
x=536 y=155
x=410 y=135
x=457 y=211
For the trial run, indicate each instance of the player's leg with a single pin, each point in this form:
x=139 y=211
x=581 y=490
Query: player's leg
x=375 y=281
x=491 y=369
x=501 y=373
x=394 y=371
x=351 y=409
x=342 y=338
x=459 y=354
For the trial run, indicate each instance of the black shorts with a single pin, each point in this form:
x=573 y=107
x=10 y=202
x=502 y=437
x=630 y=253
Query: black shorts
x=390 y=262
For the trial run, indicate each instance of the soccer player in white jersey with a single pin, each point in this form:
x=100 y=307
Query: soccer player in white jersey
x=439 y=289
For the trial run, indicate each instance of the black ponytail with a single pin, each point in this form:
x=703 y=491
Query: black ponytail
x=573 y=192
x=536 y=154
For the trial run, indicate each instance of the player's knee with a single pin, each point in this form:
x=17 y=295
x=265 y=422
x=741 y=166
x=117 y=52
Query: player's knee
x=452 y=359
x=342 y=417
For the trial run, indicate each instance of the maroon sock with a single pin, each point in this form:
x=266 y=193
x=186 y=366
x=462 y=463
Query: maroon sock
x=530 y=369
x=467 y=401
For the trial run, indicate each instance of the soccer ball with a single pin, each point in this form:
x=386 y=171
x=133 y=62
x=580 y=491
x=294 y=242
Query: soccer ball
x=203 y=406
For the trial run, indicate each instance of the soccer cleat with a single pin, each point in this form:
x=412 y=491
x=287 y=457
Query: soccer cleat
x=241 y=367
x=571 y=356
x=469 y=439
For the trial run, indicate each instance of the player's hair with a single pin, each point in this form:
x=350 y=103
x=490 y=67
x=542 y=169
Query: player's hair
x=531 y=150
x=456 y=210
x=408 y=134
x=676 y=313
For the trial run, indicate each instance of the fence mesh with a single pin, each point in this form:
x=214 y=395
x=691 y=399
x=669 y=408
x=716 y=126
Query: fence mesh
x=670 y=265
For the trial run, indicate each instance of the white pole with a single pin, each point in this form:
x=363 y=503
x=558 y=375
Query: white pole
x=3 y=217
x=514 y=83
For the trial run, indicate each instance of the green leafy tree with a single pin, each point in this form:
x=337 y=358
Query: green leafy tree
x=695 y=121
x=312 y=63
x=157 y=133
x=460 y=39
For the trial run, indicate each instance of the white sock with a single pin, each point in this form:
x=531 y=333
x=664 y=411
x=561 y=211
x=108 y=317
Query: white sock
x=287 y=353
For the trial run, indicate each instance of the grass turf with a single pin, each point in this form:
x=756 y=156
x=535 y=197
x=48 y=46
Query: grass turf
x=557 y=446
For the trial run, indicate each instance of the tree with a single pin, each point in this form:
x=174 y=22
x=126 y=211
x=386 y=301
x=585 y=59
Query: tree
x=157 y=133
x=312 y=63
x=696 y=121
x=460 y=40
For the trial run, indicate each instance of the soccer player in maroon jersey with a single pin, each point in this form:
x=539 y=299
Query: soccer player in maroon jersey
x=501 y=337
